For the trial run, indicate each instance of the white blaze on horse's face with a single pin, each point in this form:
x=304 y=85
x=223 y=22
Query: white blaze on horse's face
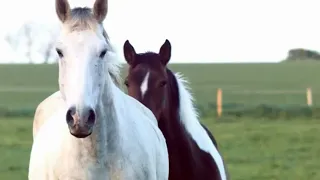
x=81 y=75
x=144 y=84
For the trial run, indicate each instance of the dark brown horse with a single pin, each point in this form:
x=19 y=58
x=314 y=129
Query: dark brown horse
x=193 y=153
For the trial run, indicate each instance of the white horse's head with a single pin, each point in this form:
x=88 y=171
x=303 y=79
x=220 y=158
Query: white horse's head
x=83 y=47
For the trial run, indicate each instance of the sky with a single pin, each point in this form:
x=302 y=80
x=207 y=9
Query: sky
x=217 y=31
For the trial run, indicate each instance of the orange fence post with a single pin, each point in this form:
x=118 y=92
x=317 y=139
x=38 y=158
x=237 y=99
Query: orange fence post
x=309 y=97
x=219 y=102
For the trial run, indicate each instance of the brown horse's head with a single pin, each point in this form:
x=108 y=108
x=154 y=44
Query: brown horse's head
x=147 y=77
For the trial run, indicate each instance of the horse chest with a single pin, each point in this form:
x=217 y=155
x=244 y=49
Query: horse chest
x=81 y=171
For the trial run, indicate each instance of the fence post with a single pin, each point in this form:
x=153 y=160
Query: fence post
x=219 y=102
x=309 y=97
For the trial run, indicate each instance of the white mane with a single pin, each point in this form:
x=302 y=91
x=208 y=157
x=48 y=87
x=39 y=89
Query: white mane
x=189 y=118
x=114 y=66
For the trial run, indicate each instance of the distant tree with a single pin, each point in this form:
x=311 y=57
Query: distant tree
x=29 y=40
x=34 y=40
x=23 y=36
x=47 y=49
x=11 y=41
x=301 y=54
x=48 y=52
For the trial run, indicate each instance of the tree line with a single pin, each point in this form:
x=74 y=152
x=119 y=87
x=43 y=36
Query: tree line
x=301 y=54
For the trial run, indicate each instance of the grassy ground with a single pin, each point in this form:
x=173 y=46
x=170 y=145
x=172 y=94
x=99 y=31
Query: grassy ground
x=253 y=149
x=15 y=145
x=24 y=86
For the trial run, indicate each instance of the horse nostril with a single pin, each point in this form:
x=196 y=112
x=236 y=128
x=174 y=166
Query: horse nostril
x=69 y=116
x=91 y=117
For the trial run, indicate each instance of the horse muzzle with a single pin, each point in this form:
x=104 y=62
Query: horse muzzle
x=80 y=122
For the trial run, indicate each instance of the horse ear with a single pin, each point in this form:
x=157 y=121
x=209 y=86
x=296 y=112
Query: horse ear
x=165 y=52
x=129 y=52
x=100 y=10
x=62 y=9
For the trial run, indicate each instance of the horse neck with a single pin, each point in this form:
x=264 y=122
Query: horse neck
x=108 y=126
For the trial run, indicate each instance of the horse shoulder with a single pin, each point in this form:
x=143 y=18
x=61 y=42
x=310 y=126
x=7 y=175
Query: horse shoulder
x=45 y=148
x=45 y=109
x=38 y=167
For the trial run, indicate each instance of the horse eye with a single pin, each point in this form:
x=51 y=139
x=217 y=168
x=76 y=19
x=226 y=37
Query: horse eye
x=126 y=83
x=162 y=83
x=103 y=53
x=59 y=53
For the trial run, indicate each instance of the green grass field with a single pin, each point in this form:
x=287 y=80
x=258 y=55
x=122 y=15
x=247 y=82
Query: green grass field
x=253 y=149
x=24 y=86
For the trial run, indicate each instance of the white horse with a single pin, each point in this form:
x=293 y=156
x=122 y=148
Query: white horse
x=99 y=133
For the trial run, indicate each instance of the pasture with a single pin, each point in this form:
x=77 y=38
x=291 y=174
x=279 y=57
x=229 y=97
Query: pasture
x=24 y=86
x=254 y=149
